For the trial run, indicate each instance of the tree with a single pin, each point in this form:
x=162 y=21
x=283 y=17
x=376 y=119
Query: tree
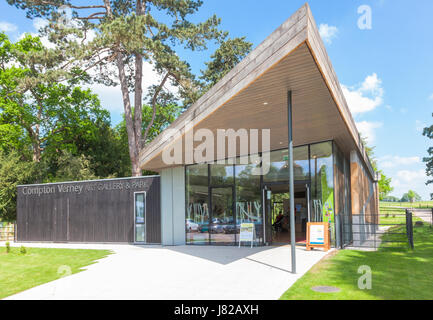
x=384 y=182
x=165 y=113
x=72 y=168
x=114 y=39
x=384 y=186
x=428 y=132
x=224 y=59
x=52 y=114
x=411 y=196
x=125 y=34
x=13 y=171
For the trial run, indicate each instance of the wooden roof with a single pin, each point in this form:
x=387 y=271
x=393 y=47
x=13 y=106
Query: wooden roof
x=293 y=58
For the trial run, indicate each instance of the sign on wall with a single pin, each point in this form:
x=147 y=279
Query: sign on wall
x=318 y=235
x=247 y=233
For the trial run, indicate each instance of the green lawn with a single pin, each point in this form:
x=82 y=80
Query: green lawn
x=396 y=274
x=19 y=272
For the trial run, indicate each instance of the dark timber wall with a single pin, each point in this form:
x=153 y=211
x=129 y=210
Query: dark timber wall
x=88 y=211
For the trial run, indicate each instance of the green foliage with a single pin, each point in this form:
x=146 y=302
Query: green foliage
x=8 y=247
x=23 y=250
x=384 y=186
x=125 y=34
x=411 y=196
x=384 y=183
x=391 y=199
x=72 y=168
x=428 y=132
x=224 y=59
x=14 y=171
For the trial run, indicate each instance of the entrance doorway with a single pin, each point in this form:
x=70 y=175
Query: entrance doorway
x=277 y=212
x=222 y=226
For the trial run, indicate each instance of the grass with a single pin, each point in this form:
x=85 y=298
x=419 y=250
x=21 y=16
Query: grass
x=397 y=274
x=19 y=272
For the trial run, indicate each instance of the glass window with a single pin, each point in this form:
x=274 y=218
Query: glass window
x=197 y=210
x=221 y=174
x=322 y=184
x=222 y=228
x=140 y=220
x=279 y=167
x=248 y=198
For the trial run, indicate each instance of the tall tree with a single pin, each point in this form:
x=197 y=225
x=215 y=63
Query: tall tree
x=121 y=35
x=384 y=183
x=225 y=58
x=51 y=114
x=428 y=132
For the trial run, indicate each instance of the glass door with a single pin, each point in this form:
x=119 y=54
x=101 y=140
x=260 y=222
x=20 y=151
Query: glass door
x=140 y=217
x=222 y=227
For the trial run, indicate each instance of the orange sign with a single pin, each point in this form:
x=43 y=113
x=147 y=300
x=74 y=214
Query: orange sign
x=318 y=235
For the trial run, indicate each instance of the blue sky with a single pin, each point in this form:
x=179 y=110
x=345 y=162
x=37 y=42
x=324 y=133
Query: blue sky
x=386 y=71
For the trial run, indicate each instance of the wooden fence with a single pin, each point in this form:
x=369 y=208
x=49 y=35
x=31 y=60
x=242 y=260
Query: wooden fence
x=7 y=231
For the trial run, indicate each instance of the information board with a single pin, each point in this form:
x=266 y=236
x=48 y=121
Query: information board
x=318 y=235
x=247 y=233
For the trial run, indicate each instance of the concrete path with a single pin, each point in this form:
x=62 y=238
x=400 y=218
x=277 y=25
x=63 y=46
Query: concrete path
x=425 y=215
x=184 y=272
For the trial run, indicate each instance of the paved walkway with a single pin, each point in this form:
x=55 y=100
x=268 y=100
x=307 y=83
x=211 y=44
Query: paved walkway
x=424 y=214
x=184 y=272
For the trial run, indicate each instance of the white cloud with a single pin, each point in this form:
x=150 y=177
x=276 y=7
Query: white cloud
x=327 y=32
x=364 y=97
x=367 y=129
x=395 y=161
x=7 y=27
x=405 y=180
x=430 y=97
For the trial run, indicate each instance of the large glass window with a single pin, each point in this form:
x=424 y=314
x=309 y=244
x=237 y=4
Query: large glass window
x=221 y=174
x=197 y=207
x=279 y=165
x=222 y=228
x=322 y=184
x=248 y=198
x=222 y=196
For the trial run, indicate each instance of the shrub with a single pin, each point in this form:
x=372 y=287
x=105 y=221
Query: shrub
x=23 y=250
x=8 y=247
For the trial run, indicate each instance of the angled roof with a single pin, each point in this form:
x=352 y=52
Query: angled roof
x=292 y=58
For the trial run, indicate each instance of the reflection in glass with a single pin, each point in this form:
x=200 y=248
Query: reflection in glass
x=248 y=198
x=140 y=233
x=279 y=166
x=140 y=226
x=222 y=227
x=197 y=211
x=322 y=184
x=221 y=174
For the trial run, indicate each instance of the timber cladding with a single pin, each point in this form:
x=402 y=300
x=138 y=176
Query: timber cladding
x=90 y=211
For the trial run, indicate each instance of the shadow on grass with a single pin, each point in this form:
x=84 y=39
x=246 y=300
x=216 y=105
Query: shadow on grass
x=396 y=273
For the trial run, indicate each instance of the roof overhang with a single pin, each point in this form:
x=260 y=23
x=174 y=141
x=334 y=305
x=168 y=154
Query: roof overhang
x=254 y=96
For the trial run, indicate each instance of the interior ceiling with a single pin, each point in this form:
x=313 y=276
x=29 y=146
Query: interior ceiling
x=315 y=115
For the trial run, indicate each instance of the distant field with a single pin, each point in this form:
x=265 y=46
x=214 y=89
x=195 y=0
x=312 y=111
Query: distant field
x=420 y=204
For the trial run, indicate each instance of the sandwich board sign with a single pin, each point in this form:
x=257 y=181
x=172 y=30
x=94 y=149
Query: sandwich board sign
x=247 y=233
x=318 y=235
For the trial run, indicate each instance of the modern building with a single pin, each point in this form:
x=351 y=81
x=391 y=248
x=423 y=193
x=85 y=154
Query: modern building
x=272 y=144
x=288 y=88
